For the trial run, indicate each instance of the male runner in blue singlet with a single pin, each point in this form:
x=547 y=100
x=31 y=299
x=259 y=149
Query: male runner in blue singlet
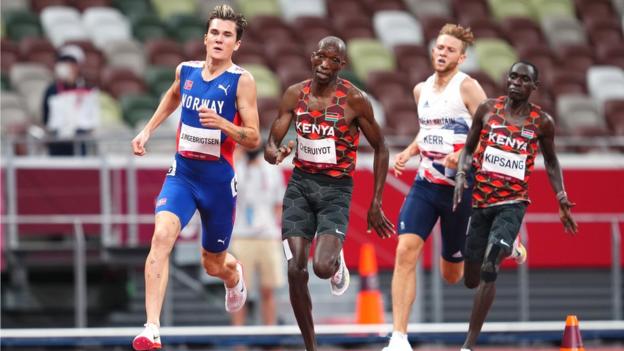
x=219 y=109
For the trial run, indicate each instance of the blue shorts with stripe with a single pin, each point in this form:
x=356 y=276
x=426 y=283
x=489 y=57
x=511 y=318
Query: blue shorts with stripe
x=425 y=203
x=212 y=192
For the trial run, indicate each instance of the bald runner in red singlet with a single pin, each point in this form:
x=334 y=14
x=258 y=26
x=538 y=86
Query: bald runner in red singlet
x=505 y=133
x=329 y=114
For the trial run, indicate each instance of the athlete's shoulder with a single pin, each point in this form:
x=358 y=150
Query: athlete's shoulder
x=193 y=64
x=236 y=69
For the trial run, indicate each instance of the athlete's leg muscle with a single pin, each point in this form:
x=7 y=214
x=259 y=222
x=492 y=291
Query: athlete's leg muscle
x=409 y=250
x=326 y=259
x=166 y=230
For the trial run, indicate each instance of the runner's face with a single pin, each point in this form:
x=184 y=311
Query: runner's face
x=221 y=40
x=327 y=61
x=520 y=82
x=447 y=54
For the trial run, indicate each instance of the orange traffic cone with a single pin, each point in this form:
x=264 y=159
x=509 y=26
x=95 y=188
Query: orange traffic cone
x=369 y=308
x=572 y=335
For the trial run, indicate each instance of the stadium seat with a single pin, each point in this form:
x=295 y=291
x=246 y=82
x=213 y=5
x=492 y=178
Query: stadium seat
x=604 y=30
x=522 y=31
x=291 y=9
x=83 y=5
x=184 y=28
x=502 y=9
x=495 y=57
x=267 y=83
x=429 y=8
x=402 y=118
x=578 y=111
x=5 y=85
x=374 y=6
x=122 y=81
x=311 y=30
x=409 y=55
x=149 y=26
x=346 y=8
x=206 y=7
x=352 y=77
x=397 y=27
x=353 y=26
x=15 y=118
x=159 y=79
x=484 y=28
x=563 y=31
x=268 y=108
x=250 y=52
x=595 y=9
x=576 y=57
x=605 y=83
x=14 y=6
x=565 y=81
x=253 y=8
x=38 y=50
x=289 y=75
x=10 y=54
x=380 y=83
x=126 y=53
x=135 y=8
x=39 y=5
x=21 y=24
x=54 y=15
x=367 y=55
x=610 y=54
x=164 y=52
x=110 y=114
x=491 y=87
x=94 y=18
x=553 y=8
x=267 y=28
x=196 y=50
x=31 y=80
x=614 y=114
x=137 y=108
x=94 y=61
x=431 y=26
x=466 y=10
x=167 y=8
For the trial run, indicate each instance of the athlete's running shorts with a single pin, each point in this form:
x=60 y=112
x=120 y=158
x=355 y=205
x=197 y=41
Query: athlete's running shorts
x=425 y=203
x=316 y=204
x=500 y=223
x=186 y=190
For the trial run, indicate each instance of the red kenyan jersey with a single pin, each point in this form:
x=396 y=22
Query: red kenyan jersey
x=505 y=158
x=325 y=142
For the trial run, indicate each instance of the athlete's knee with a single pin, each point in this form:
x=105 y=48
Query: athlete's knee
x=324 y=269
x=494 y=254
x=212 y=267
x=471 y=282
x=297 y=274
x=163 y=238
x=407 y=253
x=472 y=274
x=452 y=276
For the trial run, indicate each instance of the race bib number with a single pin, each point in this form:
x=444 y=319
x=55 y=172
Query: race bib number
x=436 y=140
x=317 y=151
x=503 y=162
x=200 y=140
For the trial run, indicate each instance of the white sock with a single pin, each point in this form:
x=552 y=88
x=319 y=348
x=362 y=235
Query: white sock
x=398 y=334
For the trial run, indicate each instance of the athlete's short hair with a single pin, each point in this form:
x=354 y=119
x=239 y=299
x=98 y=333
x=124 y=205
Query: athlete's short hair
x=227 y=13
x=533 y=67
x=459 y=32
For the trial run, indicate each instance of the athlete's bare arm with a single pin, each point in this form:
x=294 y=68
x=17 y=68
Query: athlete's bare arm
x=167 y=105
x=473 y=95
x=274 y=152
x=465 y=158
x=546 y=139
x=246 y=134
x=400 y=160
x=360 y=104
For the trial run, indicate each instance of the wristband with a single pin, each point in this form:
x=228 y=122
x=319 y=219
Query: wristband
x=460 y=173
x=561 y=195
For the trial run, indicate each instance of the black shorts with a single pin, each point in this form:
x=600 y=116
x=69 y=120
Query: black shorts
x=499 y=223
x=316 y=204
